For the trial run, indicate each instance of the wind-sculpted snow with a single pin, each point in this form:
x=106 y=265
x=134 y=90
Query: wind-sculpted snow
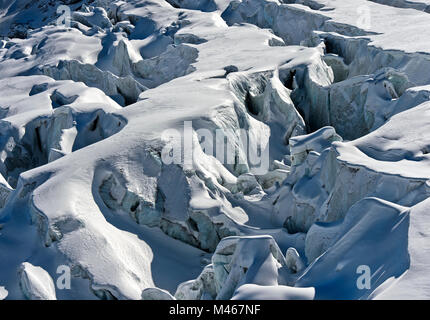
x=373 y=234
x=44 y=120
x=214 y=149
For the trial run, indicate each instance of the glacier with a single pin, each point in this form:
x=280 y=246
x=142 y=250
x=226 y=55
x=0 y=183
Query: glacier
x=214 y=149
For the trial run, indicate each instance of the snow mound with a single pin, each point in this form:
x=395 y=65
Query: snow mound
x=3 y=293
x=36 y=283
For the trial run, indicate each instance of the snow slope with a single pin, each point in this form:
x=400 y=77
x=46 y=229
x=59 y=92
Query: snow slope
x=333 y=97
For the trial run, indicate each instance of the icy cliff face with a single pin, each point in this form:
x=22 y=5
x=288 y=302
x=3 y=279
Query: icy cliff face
x=244 y=149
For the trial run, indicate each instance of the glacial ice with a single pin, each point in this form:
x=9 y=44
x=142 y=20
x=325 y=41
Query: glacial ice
x=156 y=294
x=202 y=288
x=341 y=106
x=373 y=234
x=248 y=260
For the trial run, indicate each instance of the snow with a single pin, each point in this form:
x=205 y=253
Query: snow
x=332 y=177
x=36 y=283
x=202 y=288
x=409 y=285
x=3 y=293
x=156 y=294
x=373 y=234
x=256 y=292
x=387 y=24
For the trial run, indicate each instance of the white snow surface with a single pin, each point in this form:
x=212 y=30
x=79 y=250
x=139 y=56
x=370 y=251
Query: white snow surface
x=336 y=91
x=36 y=283
x=3 y=293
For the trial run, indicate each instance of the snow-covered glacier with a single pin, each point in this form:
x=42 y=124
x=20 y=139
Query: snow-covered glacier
x=214 y=149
